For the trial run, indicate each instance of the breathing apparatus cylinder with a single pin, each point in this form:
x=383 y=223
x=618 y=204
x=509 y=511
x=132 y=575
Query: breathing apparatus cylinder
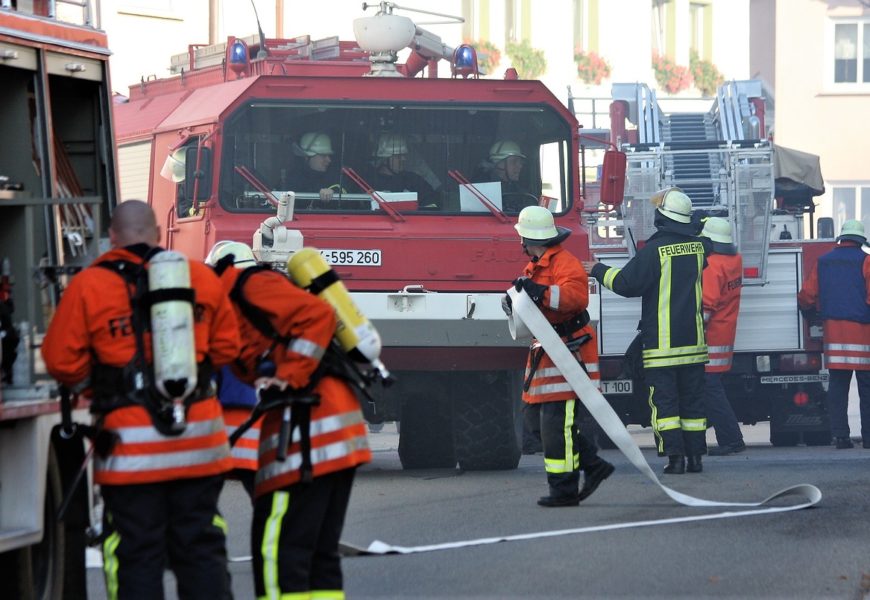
x=355 y=333
x=172 y=339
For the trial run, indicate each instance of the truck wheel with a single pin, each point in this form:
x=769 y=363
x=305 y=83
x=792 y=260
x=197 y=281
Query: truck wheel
x=784 y=438
x=426 y=439
x=484 y=421
x=36 y=572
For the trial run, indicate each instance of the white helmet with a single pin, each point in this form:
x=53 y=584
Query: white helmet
x=718 y=230
x=173 y=166
x=853 y=229
x=390 y=144
x=674 y=204
x=314 y=143
x=503 y=149
x=243 y=256
x=535 y=225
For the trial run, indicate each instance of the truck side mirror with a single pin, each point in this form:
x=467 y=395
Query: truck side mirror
x=202 y=174
x=613 y=178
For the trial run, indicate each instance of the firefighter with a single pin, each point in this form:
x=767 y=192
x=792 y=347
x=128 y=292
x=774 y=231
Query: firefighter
x=556 y=282
x=505 y=165
x=315 y=174
x=238 y=399
x=392 y=175
x=160 y=489
x=299 y=502
x=838 y=288
x=722 y=281
x=666 y=273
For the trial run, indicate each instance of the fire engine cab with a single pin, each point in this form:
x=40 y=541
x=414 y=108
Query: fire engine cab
x=409 y=208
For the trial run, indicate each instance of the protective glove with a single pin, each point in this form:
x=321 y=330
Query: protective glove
x=534 y=290
x=507 y=305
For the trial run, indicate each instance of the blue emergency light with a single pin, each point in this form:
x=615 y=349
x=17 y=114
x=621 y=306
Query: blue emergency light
x=238 y=52
x=465 y=61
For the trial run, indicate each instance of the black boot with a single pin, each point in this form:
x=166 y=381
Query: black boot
x=593 y=477
x=676 y=465
x=694 y=464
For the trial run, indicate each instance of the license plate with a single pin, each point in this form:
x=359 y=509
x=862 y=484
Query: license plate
x=618 y=386
x=354 y=258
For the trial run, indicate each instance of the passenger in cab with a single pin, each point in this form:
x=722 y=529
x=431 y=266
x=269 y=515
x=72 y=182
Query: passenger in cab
x=315 y=174
x=505 y=165
x=390 y=172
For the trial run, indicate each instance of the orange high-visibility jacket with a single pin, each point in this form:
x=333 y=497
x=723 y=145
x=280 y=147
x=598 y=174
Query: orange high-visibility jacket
x=93 y=322
x=338 y=432
x=723 y=279
x=566 y=297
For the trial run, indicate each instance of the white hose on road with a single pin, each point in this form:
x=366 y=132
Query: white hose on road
x=527 y=315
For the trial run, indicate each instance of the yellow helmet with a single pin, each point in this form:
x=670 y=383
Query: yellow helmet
x=243 y=256
x=674 y=204
x=536 y=227
x=503 y=149
x=853 y=229
x=718 y=230
x=390 y=144
x=314 y=143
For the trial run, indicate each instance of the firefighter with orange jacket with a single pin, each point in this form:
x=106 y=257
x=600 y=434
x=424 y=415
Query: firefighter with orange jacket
x=160 y=481
x=839 y=289
x=305 y=475
x=722 y=281
x=556 y=282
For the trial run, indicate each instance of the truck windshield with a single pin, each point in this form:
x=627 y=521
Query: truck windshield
x=424 y=158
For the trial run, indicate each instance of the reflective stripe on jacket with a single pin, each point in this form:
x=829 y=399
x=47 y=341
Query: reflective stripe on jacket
x=666 y=273
x=93 y=322
x=840 y=285
x=723 y=279
x=567 y=295
x=338 y=432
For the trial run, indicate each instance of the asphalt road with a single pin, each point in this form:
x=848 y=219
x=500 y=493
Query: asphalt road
x=821 y=552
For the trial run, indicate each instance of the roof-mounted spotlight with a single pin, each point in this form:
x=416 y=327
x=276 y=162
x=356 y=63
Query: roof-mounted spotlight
x=465 y=61
x=238 y=58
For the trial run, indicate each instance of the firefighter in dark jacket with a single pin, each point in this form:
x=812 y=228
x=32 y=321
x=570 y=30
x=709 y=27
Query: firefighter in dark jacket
x=667 y=274
x=555 y=281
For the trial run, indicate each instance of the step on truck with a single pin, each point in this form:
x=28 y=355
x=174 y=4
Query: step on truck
x=428 y=266
x=716 y=150
x=56 y=189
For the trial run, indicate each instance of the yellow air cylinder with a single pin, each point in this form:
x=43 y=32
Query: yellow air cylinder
x=355 y=333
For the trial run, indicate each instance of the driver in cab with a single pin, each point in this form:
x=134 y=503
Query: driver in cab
x=505 y=165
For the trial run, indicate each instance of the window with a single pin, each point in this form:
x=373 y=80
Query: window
x=851 y=45
x=851 y=202
x=414 y=155
x=701 y=23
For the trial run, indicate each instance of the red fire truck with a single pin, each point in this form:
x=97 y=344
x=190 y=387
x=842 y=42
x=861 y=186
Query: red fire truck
x=57 y=184
x=430 y=265
x=718 y=153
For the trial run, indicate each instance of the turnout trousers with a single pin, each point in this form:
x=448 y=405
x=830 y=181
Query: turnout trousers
x=295 y=535
x=566 y=450
x=720 y=415
x=676 y=398
x=837 y=401
x=171 y=523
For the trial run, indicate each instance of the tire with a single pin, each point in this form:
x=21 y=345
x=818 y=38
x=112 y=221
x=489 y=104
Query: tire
x=426 y=437
x=784 y=438
x=37 y=572
x=484 y=418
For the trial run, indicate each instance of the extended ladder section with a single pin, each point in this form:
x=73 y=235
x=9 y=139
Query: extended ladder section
x=716 y=157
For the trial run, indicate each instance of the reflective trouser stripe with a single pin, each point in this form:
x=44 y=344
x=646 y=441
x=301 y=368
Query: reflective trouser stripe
x=693 y=424
x=571 y=460
x=110 y=564
x=667 y=424
x=221 y=523
x=327 y=594
x=270 y=544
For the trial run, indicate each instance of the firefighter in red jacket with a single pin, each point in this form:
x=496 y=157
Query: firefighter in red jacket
x=839 y=289
x=555 y=281
x=160 y=490
x=723 y=279
x=299 y=502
